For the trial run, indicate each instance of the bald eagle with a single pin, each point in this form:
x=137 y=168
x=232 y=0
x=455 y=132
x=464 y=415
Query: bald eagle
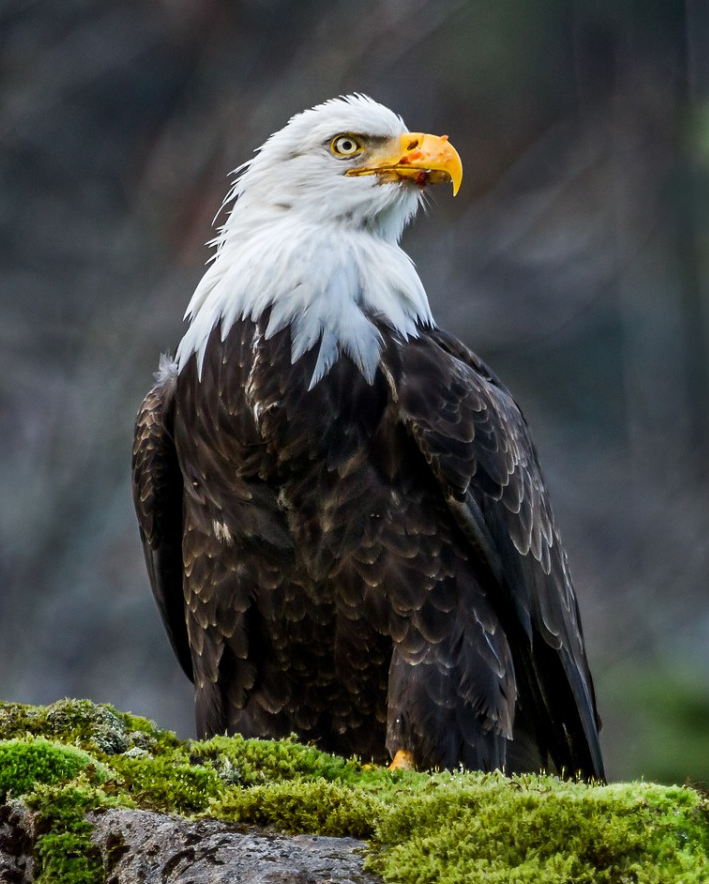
x=344 y=521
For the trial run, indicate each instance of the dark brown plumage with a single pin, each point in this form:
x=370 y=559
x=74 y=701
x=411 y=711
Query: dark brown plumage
x=366 y=566
x=344 y=521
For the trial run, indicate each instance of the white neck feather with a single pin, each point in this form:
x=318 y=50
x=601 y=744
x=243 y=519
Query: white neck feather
x=328 y=281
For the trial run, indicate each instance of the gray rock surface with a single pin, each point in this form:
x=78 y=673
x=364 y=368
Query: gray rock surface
x=140 y=847
x=16 y=843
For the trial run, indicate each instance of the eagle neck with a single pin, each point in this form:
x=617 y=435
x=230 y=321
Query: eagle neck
x=333 y=285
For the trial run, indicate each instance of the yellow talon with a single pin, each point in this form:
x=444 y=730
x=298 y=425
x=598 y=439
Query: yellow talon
x=403 y=760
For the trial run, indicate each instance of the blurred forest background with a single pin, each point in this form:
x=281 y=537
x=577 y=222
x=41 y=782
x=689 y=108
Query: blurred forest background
x=575 y=260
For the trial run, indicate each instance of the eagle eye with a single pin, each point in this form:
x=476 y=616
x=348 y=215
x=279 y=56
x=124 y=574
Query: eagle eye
x=346 y=146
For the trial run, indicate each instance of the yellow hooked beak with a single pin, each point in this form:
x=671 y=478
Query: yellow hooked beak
x=424 y=159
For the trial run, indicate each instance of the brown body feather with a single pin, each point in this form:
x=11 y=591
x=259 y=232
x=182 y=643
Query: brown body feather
x=371 y=566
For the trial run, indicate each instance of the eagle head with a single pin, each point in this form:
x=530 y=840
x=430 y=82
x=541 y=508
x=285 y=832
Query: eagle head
x=312 y=236
x=335 y=161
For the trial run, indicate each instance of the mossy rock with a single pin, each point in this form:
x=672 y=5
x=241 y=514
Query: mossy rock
x=531 y=829
x=74 y=757
x=27 y=762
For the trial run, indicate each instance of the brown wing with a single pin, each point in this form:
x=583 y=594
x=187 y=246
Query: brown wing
x=157 y=496
x=478 y=446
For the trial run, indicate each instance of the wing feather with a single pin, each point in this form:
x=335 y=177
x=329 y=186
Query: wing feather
x=157 y=496
x=478 y=447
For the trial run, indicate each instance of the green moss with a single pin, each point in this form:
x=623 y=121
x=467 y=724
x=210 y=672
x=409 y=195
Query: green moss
x=26 y=762
x=489 y=828
x=253 y=762
x=442 y=828
x=299 y=806
x=69 y=857
x=64 y=852
x=167 y=784
x=99 y=729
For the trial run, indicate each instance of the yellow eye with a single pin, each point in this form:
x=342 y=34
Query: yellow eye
x=346 y=145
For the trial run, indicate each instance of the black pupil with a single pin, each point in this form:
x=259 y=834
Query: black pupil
x=346 y=145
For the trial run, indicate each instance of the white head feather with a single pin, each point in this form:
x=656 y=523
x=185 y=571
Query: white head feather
x=318 y=247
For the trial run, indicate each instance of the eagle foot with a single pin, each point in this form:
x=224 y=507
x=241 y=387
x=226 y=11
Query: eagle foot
x=403 y=760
